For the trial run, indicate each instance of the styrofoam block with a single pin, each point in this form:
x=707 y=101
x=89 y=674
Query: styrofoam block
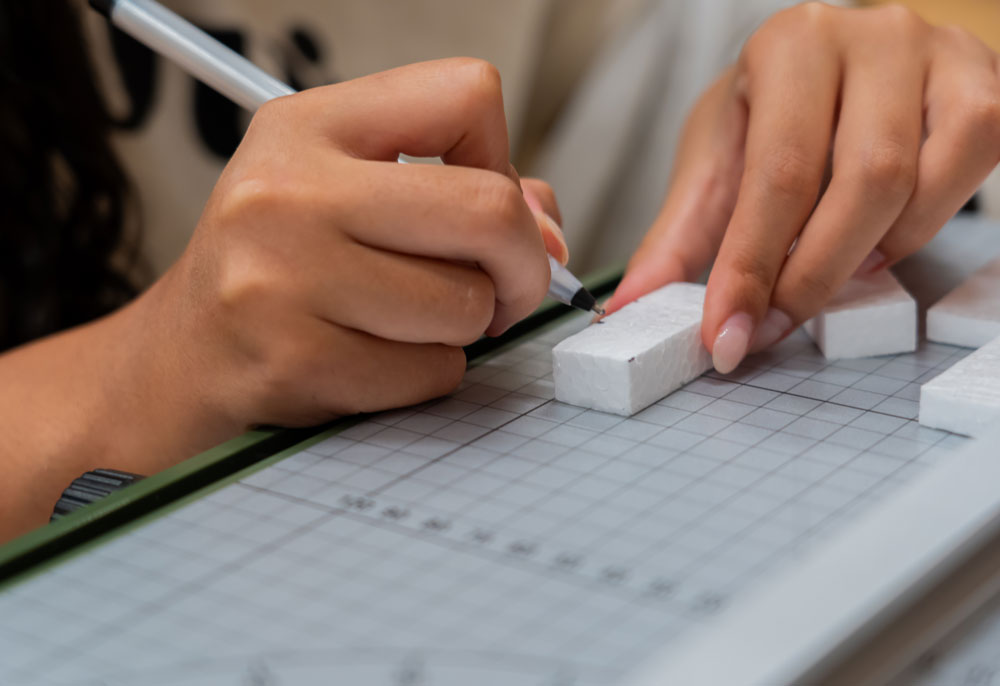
x=969 y=315
x=965 y=399
x=635 y=356
x=871 y=315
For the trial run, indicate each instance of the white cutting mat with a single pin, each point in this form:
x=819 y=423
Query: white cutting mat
x=494 y=537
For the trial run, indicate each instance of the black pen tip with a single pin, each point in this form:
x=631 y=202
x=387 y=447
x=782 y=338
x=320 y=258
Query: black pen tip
x=583 y=300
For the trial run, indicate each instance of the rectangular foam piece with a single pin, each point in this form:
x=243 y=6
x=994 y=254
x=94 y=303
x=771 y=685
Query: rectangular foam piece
x=965 y=399
x=635 y=356
x=969 y=315
x=871 y=315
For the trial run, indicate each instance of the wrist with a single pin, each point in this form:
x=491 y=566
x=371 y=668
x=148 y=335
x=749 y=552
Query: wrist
x=164 y=376
x=123 y=392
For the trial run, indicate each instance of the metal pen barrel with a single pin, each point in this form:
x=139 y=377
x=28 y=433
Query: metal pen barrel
x=196 y=52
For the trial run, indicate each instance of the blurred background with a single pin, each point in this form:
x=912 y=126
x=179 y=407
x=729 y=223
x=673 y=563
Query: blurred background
x=595 y=91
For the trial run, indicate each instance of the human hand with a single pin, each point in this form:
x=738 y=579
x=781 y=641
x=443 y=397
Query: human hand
x=326 y=279
x=851 y=134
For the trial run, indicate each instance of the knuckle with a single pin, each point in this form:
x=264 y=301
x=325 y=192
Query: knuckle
x=275 y=111
x=451 y=364
x=484 y=75
x=473 y=307
x=901 y=241
x=501 y=201
x=956 y=34
x=246 y=198
x=541 y=286
x=537 y=277
x=245 y=282
x=813 y=15
x=901 y=20
x=789 y=173
x=479 y=82
x=271 y=109
x=532 y=286
x=981 y=119
x=255 y=197
x=757 y=47
x=801 y=20
x=888 y=168
x=755 y=272
x=789 y=31
x=812 y=287
x=512 y=230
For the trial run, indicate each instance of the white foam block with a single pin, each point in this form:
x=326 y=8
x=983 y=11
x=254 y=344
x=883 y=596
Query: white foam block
x=635 y=356
x=871 y=315
x=969 y=315
x=965 y=399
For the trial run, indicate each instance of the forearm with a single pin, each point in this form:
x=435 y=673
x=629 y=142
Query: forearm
x=105 y=394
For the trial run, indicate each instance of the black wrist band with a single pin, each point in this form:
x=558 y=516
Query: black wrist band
x=91 y=487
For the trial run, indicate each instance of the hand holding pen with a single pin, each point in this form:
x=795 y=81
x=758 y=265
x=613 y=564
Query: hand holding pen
x=322 y=279
x=249 y=86
x=325 y=279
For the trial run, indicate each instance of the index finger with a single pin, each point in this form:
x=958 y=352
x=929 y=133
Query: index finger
x=451 y=108
x=791 y=93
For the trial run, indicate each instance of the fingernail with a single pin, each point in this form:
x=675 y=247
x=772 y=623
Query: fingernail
x=544 y=220
x=774 y=325
x=732 y=342
x=872 y=263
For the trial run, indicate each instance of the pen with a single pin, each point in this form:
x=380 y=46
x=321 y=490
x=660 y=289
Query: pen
x=249 y=86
